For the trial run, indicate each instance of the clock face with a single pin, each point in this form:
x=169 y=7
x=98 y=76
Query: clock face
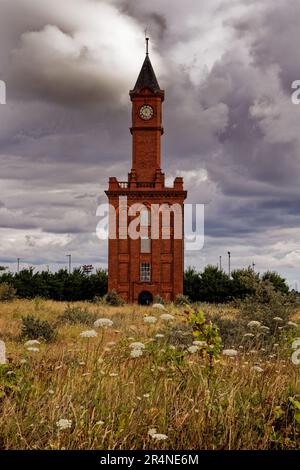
x=146 y=112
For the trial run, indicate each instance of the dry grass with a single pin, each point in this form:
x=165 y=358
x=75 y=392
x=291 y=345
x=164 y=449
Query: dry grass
x=112 y=400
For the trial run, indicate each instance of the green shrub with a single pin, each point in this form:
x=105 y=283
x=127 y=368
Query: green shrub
x=113 y=298
x=34 y=328
x=74 y=315
x=265 y=305
x=158 y=300
x=182 y=300
x=181 y=335
x=7 y=292
x=231 y=330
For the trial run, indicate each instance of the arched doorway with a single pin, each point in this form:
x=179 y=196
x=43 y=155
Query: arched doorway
x=145 y=298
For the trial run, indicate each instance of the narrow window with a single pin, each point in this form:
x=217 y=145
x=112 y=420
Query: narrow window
x=144 y=231
x=145 y=272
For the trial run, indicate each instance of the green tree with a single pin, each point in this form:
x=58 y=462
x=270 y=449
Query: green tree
x=278 y=282
x=215 y=285
x=192 y=284
x=244 y=282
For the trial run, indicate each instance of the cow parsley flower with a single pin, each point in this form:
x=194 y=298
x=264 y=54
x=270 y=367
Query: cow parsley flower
x=137 y=345
x=278 y=319
x=200 y=343
x=249 y=335
x=31 y=349
x=192 y=349
x=150 y=319
x=292 y=323
x=2 y=353
x=159 y=437
x=159 y=335
x=89 y=334
x=136 y=353
x=254 y=324
x=152 y=431
x=167 y=317
x=230 y=352
x=31 y=342
x=103 y=322
x=64 y=424
x=159 y=306
x=257 y=369
x=264 y=328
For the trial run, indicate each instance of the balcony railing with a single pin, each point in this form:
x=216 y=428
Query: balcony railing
x=136 y=184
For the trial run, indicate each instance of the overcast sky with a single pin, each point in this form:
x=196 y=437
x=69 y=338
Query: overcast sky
x=230 y=126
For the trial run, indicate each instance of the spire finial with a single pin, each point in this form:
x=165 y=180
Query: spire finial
x=147 y=46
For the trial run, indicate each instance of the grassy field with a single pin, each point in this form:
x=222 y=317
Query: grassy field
x=90 y=393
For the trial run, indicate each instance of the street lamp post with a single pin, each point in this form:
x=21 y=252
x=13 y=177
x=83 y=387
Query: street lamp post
x=229 y=268
x=70 y=262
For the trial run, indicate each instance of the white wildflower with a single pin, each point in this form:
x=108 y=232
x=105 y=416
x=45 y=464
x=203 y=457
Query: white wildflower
x=64 y=424
x=264 y=328
x=292 y=323
x=136 y=353
x=159 y=306
x=257 y=369
x=89 y=334
x=159 y=437
x=137 y=345
x=167 y=317
x=150 y=319
x=254 y=324
x=31 y=349
x=50 y=391
x=152 y=431
x=278 y=319
x=249 y=335
x=2 y=353
x=192 y=349
x=99 y=423
x=200 y=343
x=105 y=322
x=229 y=352
x=159 y=335
x=113 y=374
x=146 y=395
x=31 y=342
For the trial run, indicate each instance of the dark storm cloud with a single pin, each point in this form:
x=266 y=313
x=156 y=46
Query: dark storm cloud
x=229 y=123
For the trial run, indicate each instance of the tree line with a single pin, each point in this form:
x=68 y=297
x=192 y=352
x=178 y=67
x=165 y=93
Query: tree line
x=210 y=285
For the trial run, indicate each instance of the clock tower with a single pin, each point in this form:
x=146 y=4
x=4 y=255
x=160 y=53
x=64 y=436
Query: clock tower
x=148 y=262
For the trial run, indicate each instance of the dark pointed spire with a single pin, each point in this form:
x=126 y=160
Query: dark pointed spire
x=147 y=77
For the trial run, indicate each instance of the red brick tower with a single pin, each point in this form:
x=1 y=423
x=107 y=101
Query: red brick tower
x=141 y=268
